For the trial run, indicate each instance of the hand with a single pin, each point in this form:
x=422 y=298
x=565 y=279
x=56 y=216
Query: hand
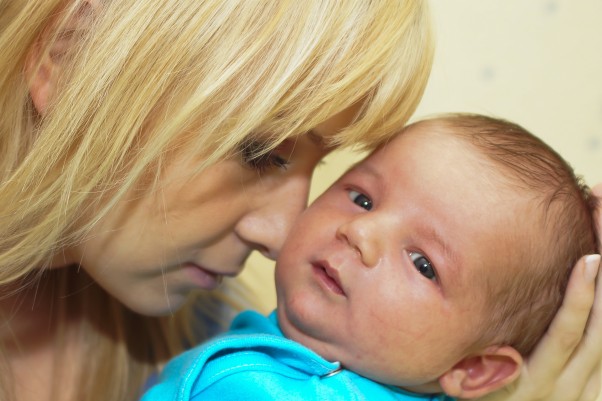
x=566 y=365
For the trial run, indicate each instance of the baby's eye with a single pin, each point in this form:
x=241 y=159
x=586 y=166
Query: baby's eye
x=360 y=199
x=423 y=265
x=253 y=156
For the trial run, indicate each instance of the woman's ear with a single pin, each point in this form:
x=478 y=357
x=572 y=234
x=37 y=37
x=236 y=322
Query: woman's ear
x=483 y=373
x=45 y=58
x=41 y=73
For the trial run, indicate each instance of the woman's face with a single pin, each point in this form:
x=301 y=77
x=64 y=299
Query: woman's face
x=151 y=252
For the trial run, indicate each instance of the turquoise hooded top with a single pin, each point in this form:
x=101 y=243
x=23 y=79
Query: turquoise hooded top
x=254 y=361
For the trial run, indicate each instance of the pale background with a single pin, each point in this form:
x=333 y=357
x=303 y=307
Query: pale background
x=536 y=62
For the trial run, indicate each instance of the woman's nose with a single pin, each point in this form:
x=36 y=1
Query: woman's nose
x=363 y=234
x=265 y=228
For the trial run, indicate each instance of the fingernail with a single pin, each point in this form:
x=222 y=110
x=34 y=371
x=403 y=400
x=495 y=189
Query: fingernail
x=592 y=264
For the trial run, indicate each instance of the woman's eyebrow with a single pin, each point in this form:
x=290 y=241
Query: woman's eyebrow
x=318 y=140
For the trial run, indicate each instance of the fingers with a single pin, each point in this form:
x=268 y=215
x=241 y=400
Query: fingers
x=567 y=329
x=597 y=191
x=583 y=370
x=566 y=364
x=593 y=331
x=591 y=392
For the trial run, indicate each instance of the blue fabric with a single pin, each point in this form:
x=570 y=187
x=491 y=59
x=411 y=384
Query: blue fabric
x=254 y=361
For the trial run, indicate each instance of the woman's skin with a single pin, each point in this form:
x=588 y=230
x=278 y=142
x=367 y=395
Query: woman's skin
x=197 y=228
x=154 y=249
x=254 y=210
x=157 y=246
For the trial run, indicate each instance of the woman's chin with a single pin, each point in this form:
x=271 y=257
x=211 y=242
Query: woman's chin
x=156 y=305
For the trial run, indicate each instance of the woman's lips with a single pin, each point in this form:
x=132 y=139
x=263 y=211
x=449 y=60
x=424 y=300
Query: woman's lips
x=329 y=277
x=202 y=277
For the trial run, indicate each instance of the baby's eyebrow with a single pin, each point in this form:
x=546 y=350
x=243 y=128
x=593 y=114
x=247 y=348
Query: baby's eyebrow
x=451 y=271
x=365 y=167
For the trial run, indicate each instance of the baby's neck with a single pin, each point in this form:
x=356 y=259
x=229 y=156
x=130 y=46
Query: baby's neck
x=426 y=388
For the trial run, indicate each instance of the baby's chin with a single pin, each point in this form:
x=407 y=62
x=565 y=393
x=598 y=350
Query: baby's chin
x=353 y=360
x=298 y=331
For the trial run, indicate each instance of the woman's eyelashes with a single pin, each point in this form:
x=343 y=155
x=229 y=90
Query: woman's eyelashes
x=255 y=156
x=423 y=265
x=360 y=199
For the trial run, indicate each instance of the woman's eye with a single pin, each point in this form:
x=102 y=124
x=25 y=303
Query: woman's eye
x=254 y=156
x=360 y=199
x=423 y=265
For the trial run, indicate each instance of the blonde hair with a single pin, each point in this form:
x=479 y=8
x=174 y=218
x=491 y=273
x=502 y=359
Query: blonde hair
x=145 y=79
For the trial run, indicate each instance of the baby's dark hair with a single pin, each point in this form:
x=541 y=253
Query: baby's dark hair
x=523 y=304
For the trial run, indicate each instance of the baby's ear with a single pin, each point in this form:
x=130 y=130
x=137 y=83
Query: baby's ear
x=483 y=373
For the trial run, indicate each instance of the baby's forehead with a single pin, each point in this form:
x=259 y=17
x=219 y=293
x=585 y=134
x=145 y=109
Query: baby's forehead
x=428 y=131
x=494 y=159
x=520 y=213
x=440 y=130
x=435 y=139
x=433 y=147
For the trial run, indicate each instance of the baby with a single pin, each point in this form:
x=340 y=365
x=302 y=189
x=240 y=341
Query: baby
x=428 y=270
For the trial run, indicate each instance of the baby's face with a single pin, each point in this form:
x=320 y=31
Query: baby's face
x=385 y=271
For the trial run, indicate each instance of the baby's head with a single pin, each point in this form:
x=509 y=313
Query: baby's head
x=557 y=230
x=440 y=260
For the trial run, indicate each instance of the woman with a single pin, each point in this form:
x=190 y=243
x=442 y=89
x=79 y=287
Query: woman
x=147 y=147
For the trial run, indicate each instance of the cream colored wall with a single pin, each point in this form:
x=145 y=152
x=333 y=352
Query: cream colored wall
x=537 y=62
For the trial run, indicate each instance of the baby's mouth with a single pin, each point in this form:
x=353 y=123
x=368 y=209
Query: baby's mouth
x=329 y=277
